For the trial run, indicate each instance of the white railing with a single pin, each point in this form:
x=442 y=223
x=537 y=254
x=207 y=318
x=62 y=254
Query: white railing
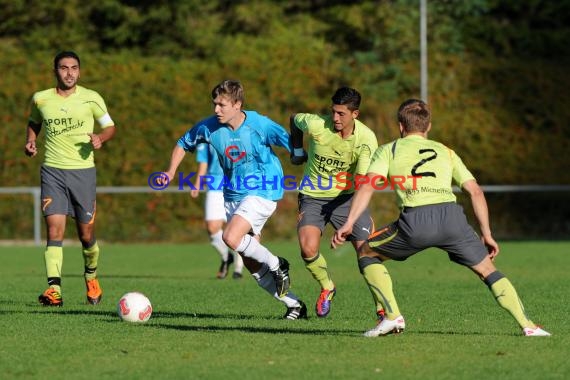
x=35 y=193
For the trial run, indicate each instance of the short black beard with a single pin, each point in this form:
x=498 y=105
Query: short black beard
x=61 y=84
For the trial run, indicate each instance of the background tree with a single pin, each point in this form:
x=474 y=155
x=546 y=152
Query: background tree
x=497 y=76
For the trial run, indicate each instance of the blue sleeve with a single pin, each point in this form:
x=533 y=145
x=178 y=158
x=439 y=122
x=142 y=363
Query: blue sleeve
x=202 y=153
x=277 y=135
x=196 y=135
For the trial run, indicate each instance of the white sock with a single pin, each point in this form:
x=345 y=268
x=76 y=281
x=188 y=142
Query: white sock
x=238 y=262
x=267 y=282
x=218 y=243
x=251 y=248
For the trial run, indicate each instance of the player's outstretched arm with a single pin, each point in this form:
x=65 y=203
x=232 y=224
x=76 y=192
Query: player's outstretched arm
x=481 y=211
x=175 y=159
x=360 y=201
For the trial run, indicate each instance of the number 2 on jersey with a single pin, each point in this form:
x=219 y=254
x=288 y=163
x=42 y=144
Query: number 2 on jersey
x=423 y=161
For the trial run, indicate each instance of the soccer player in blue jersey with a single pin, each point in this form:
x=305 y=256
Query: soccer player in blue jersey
x=430 y=217
x=242 y=141
x=209 y=176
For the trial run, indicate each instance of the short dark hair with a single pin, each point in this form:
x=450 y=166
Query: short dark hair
x=65 y=54
x=414 y=115
x=347 y=96
x=230 y=88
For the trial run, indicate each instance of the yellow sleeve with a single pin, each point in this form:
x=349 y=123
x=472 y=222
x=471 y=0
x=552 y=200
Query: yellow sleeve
x=460 y=172
x=368 y=147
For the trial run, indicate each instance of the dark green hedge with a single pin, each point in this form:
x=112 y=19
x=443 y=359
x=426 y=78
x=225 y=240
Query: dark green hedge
x=497 y=84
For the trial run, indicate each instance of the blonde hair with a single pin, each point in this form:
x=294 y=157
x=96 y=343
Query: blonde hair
x=232 y=89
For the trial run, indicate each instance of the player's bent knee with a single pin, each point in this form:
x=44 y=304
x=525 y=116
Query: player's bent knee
x=309 y=253
x=309 y=256
x=86 y=237
x=231 y=240
x=485 y=268
x=232 y=244
x=55 y=233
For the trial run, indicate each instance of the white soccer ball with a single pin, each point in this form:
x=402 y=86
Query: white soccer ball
x=134 y=307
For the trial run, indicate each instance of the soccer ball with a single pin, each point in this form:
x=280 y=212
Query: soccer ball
x=134 y=307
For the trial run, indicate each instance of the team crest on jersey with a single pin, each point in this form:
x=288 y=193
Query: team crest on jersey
x=234 y=154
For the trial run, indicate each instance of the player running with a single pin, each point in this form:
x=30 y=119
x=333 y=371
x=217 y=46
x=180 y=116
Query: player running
x=340 y=148
x=429 y=217
x=68 y=174
x=243 y=143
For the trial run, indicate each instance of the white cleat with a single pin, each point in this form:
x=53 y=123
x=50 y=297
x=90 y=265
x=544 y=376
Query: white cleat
x=537 y=331
x=387 y=326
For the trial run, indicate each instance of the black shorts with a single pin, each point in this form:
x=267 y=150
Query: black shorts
x=319 y=212
x=441 y=225
x=69 y=192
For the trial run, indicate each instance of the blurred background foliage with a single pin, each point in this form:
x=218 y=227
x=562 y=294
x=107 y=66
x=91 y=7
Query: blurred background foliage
x=498 y=80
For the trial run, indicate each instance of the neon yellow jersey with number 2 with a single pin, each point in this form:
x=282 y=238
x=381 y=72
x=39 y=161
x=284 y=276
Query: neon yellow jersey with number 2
x=421 y=171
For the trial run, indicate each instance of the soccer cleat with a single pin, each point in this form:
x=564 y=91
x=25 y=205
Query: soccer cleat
x=51 y=297
x=297 y=312
x=281 y=276
x=224 y=267
x=387 y=326
x=537 y=331
x=94 y=291
x=323 y=305
x=237 y=276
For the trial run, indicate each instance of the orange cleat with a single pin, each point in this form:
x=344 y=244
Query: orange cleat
x=51 y=297
x=94 y=292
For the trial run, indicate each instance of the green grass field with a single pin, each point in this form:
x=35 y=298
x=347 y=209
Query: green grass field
x=204 y=328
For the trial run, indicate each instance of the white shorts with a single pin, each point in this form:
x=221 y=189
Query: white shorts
x=214 y=206
x=254 y=209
